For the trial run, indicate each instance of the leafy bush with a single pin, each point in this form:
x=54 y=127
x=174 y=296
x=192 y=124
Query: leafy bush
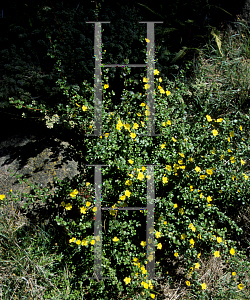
x=201 y=180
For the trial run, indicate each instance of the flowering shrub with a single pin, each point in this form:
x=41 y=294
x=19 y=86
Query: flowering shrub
x=201 y=183
x=200 y=179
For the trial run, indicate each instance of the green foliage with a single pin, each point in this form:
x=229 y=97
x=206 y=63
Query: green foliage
x=201 y=178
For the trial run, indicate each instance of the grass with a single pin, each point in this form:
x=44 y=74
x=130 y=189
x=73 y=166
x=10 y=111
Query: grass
x=35 y=262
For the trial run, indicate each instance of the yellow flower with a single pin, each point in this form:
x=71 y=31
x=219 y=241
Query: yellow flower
x=164 y=124
x=87 y=183
x=209 y=118
x=127 y=126
x=72 y=240
x=183 y=236
x=145 y=285
x=191 y=226
x=192 y=242
x=143 y=244
x=204 y=286
x=181 y=211
x=232 y=251
x=145 y=79
x=168 y=122
x=127 y=193
x=176 y=254
x=78 y=242
x=182 y=155
x=133 y=135
x=168 y=167
x=209 y=172
x=143 y=169
x=127 y=280
x=175 y=205
x=83 y=210
x=242 y=162
x=198 y=256
x=240 y=286
x=197 y=169
x=106 y=86
x=160 y=79
x=188 y=283
x=228 y=139
x=131 y=161
x=92 y=242
x=165 y=222
x=135 y=126
x=88 y=203
x=123 y=197
x=231 y=134
x=146 y=86
x=163 y=146
x=68 y=206
x=240 y=128
x=159 y=246
x=232 y=159
x=159 y=87
x=219 y=120
x=119 y=125
x=138 y=114
x=233 y=273
x=143 y=104
x=84 y=108
x=106 y=134
x=215 y=132
x=180 y=162
x=203 y=176
x=245 y=176
x=217 y=254
x=174 y=140
x=156 y=72
x=219 y=239
x=168 y=93
x=74 y=193
x=84 y=242
x=128 y=182
x=115 y=239
x=191 y=188
x=197 y=266
x=152 y=296
x=164 y=179
x=140 y=176
x=209 y=199
x=158 y=234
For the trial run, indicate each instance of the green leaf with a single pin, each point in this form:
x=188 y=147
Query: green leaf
x=180 y=54
x=217 y=39
x=151 y=10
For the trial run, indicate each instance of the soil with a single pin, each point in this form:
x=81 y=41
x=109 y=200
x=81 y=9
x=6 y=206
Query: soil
x=33 y=151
